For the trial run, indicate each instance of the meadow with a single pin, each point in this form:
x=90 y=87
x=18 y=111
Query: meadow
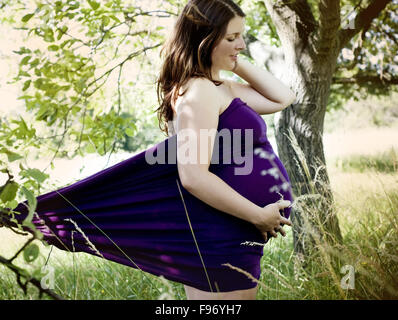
x=361 y=148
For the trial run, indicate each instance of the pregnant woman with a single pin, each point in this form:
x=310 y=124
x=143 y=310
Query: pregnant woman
x=186 y=217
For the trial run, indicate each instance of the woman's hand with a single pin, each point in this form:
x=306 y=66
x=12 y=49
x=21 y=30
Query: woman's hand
x=270 y=220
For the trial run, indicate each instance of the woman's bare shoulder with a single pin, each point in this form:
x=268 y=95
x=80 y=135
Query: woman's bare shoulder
x=198 y=90
x=200 y=86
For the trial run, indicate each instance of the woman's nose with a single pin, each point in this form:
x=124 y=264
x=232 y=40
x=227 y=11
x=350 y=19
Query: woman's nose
x=241 y=45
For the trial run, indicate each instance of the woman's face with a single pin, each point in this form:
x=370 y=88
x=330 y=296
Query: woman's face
x=224 y=54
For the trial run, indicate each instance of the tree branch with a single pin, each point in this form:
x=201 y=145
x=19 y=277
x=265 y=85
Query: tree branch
x=362 y=21
x=21 y=274
x=295 y=15
x=129 y=57
x=22 y=249
x=304 y=12
x=294 y=23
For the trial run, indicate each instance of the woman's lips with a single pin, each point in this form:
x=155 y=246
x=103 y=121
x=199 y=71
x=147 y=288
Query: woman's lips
x=234 y=58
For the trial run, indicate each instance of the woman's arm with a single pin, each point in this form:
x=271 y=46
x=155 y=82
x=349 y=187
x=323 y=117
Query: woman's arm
x=199 y=110
x=222 y=197
x=263 y=92
x=212 y=190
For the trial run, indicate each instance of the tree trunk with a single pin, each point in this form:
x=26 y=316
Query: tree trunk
x=299 y=132
x=310 y=65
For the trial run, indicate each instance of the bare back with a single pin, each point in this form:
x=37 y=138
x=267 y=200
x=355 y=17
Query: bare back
x=224 y=97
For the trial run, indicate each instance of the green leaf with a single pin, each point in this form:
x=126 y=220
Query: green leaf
x=13 y=204
x=53 y=47
x=43 y=112
x=90 y=148
x=32 y=202
x=23 y=73
x=23 y=126
x=93 y=4
x=31 y=253
x=26 y=85
x=36 y=174
x=130 y=132
x=25 y=60
x=38 y=83
x=105 y=20
x=27 y=17
x=12 y=156
x=22 y=51
x=48 y=35
x=9 y=192
x=114 y=18
x=24 y=97
x=34 y=63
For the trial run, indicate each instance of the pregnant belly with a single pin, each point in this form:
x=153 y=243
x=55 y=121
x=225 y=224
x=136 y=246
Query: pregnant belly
x=261 y=178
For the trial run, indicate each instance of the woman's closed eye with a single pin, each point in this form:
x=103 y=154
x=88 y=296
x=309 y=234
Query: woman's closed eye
x=233 y=39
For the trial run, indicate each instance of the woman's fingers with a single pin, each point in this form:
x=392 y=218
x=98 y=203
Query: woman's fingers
x=283 y=204
x=283 y=233
x=273 y=233
x=286 y=221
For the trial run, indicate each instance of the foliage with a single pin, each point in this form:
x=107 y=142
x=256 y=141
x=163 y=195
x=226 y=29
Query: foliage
x=370 y=55
x=369 y=59
x=80 y=80
x=79 y=48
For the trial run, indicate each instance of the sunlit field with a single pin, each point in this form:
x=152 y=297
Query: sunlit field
x=363 y=167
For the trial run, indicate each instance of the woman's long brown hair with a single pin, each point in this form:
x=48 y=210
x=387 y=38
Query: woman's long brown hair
x=187 y=53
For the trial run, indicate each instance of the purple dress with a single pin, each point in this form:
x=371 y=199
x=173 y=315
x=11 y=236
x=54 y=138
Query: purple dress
x=137 y=212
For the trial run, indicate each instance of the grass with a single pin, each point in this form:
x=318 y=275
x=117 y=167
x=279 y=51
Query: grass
x=367 y=210
x=381 y=162
x=365 y=190
x=83 y=276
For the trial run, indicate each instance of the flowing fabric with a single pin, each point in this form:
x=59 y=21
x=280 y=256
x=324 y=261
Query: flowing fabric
x=137 y=213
